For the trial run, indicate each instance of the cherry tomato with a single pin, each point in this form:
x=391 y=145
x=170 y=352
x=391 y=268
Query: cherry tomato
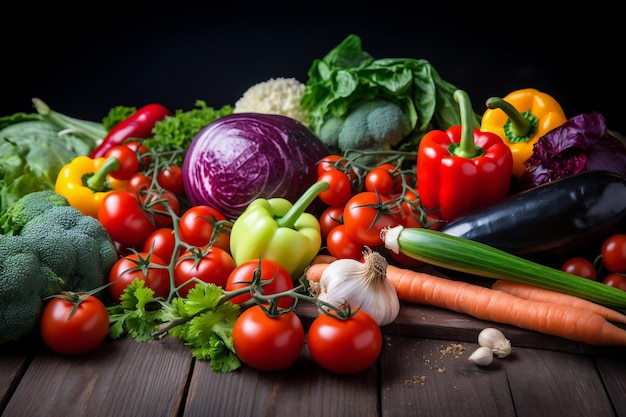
x=379 y=180
x=128 y=162
x=171 y=178
x=581 y=267
x=142 y=153
x=364 y=218
x=279 y=280
x=268 y=343
x=328 y=163
x=196 y=227
x=156 y=201
x=345 y=346
x=340 y=189
x=139 y=182
x=143 y=266
x=613 y=253
x=330 y=217
x=615 y=280
x=341 y=245
x=72 y=332
x=213 y=265
x=122 y=215
x=162 y=243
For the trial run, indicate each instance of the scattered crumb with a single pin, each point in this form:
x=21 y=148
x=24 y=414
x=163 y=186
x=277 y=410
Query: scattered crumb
x=416 y=380
x=455 y=350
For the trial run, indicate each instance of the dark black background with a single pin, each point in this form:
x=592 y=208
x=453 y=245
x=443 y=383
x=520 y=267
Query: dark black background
x=83 y=60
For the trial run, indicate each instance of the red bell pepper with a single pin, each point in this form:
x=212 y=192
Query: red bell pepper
x=462 y=169
x=137 y=126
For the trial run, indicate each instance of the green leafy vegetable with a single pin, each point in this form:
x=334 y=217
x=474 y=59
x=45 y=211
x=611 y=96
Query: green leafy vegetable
x=177 y=132
x=348 y=75
x=34 y=147
x=204 y=320
x=116 y=115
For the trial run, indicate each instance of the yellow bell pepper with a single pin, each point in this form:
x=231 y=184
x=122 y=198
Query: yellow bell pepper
x=84 y=181
x=520 y=119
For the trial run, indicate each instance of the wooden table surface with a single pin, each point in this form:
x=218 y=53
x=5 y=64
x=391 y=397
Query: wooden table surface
x=423 y=371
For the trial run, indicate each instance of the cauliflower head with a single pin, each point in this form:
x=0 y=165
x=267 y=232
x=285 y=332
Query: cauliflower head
x=275 y=96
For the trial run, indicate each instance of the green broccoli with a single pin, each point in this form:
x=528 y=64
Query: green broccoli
x=60 y=249
x=15 y=217
x=373 y=125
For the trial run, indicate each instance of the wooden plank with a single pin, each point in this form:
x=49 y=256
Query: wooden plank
x=304 y=390
x=13 y=362
x=613 y=374
x=423 y=321
x=120 y=378
x=434 y=378
x=549 y=383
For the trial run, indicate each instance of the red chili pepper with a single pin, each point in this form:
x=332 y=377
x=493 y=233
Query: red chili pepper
x=137 y=126
x=462 y=169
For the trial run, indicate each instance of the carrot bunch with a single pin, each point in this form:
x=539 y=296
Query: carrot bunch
x=516 y=304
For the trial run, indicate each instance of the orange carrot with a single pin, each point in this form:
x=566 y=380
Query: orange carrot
x=530 y=292
x=499 y=307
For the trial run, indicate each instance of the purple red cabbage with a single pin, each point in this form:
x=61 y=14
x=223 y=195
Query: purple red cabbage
x=244 y=156
x=582 y=143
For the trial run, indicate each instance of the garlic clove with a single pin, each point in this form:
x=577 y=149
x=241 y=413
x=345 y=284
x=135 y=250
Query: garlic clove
x=495 y=340
x=483 y=356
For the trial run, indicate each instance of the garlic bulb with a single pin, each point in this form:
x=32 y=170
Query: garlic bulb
x=362 y=285
x=495 y=340
x=483 y=356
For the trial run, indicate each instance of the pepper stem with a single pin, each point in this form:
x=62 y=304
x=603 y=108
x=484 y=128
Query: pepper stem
x=467 y=148
x=520 y=127
x=300 y=206
x=97 y=182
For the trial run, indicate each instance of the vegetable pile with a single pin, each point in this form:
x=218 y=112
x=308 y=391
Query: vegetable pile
x=212 y=225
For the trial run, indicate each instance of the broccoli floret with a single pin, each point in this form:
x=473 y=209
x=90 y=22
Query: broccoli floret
x=372 y=125
x=24 y=281
x=88 y=252
x=15 y=217
x=60 y=249
x=275 y=96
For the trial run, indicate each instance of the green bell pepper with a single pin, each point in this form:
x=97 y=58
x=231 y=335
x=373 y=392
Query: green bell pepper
x=277 y=230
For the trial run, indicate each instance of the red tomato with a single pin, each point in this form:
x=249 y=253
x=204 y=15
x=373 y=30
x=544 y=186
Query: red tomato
x=615 y=280
x=162 y=243
x=340 y=189
x=268 y=343
x=139 y=182
x=142 y=153
x=279 y=280
x=70 y=332
x=345 y=346
x=341 y=245
x=213 y=265
x=581 y=267
x=379 y=180
x=156 y=202
x=122 y=215
x=171 y=178
x=127 y=159
x=364 y=218
x=196 y=227
x=328 y=163
x=331 y=217
x=151 y=269
x=613 y=253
